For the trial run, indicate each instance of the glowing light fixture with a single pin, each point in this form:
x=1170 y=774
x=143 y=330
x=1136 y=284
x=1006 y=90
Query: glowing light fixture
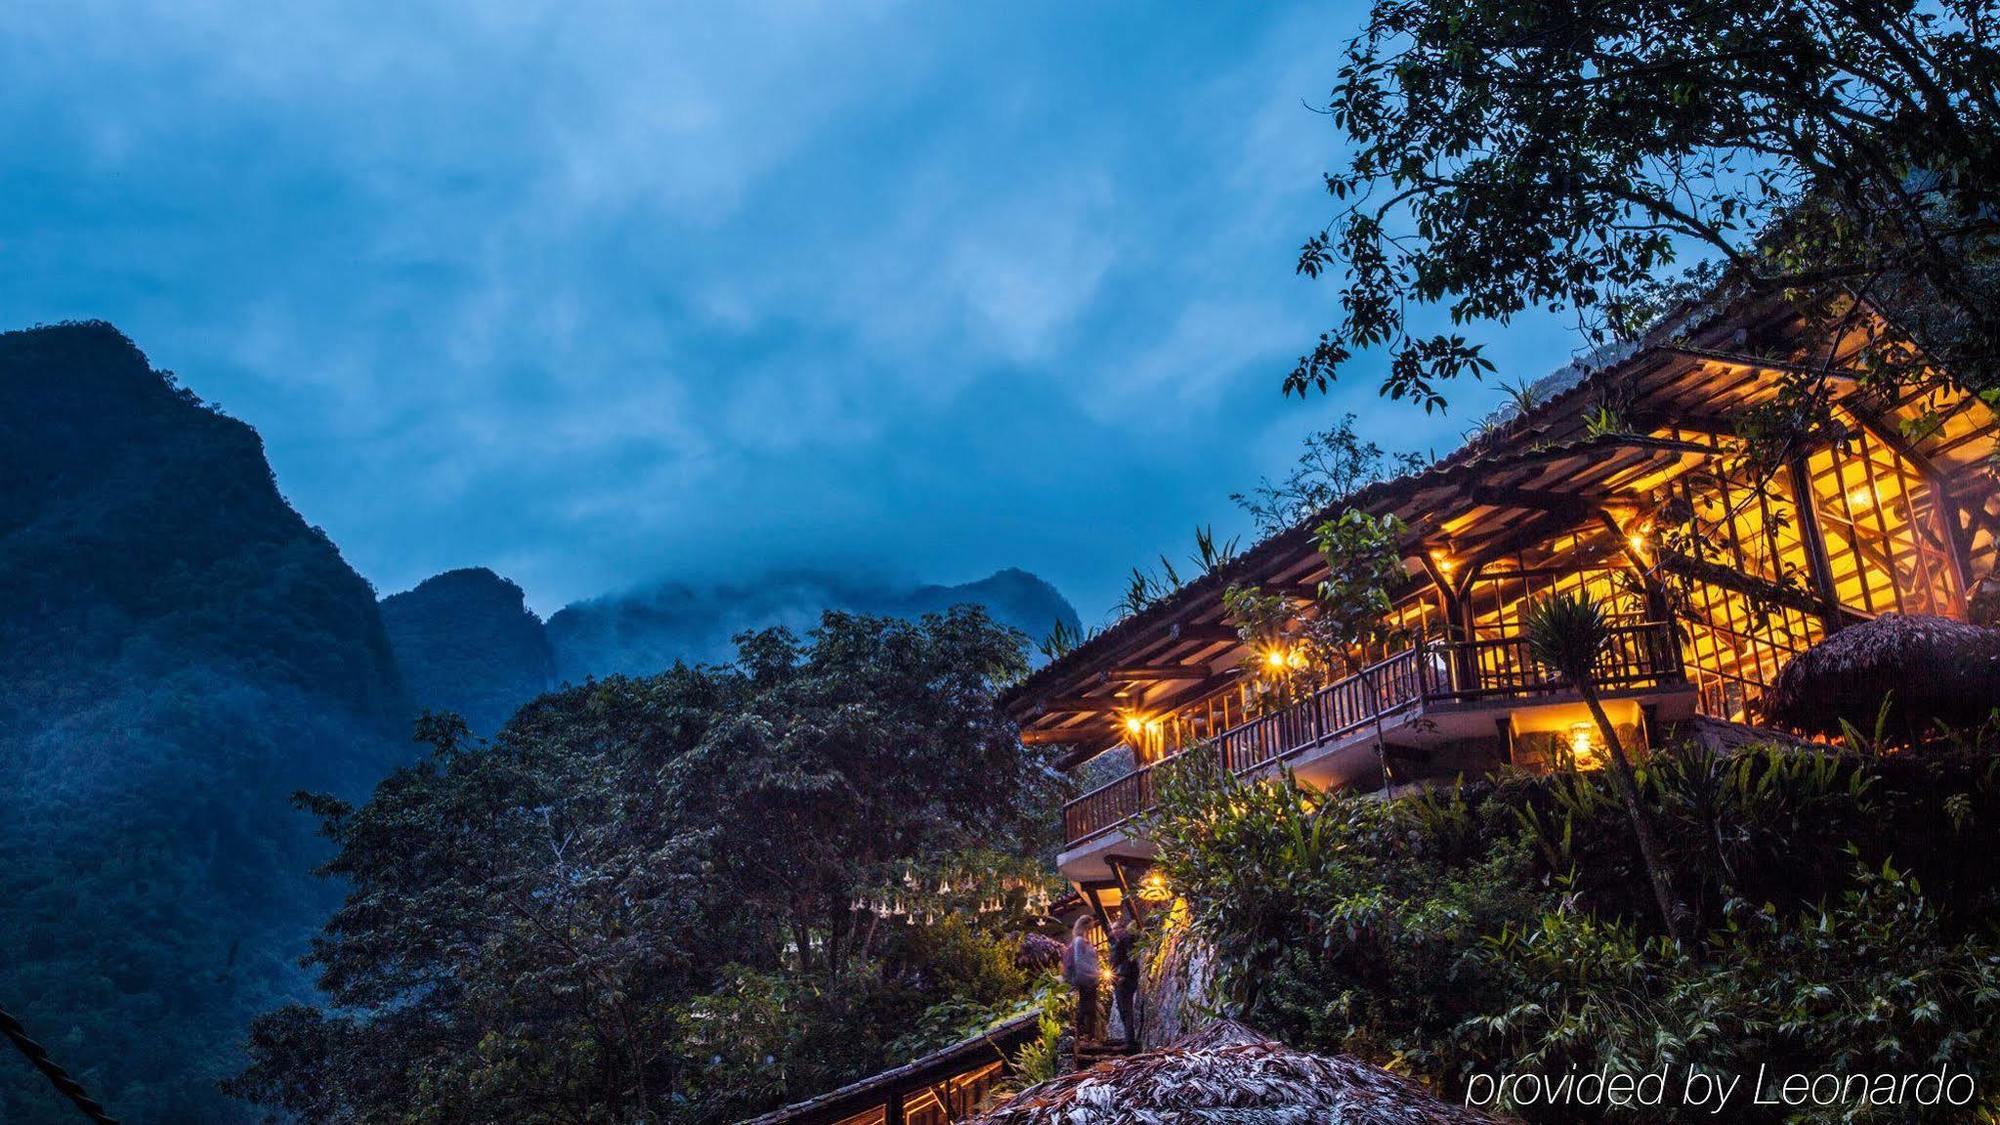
x=1862 y=497
x=1153 y=888
x=1134 y=724
x=1583 y=745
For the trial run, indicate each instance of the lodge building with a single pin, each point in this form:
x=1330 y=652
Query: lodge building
x=1899 y=515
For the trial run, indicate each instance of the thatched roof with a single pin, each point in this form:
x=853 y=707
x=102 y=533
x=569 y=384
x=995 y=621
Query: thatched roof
x=1227 y=1072
x=1939 y=669
x=1036 y=952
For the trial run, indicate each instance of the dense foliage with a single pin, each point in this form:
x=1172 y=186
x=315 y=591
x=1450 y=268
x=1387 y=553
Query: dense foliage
x=688 y=896
x=1506 y=156
x=1507 y=926
x=178 y=652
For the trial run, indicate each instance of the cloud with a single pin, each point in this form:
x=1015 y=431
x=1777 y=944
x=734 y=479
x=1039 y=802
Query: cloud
x=600 y=294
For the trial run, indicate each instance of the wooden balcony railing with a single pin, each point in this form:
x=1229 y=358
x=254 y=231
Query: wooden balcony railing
x=1638 y=656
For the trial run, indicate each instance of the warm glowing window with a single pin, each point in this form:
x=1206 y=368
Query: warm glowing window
x=1733 y=646
x=1589 y=560
x=1884 y=536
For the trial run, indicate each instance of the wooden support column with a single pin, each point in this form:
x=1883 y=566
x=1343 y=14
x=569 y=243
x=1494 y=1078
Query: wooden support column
x=1097 y=904
x=1447 y=597
x=1457 y=616
x=946 y=1101
x=1657 y=606
x=1814 y=541
x=1958 y=540
x=892 y=1111
x=1122 y=868
x=1468 y=659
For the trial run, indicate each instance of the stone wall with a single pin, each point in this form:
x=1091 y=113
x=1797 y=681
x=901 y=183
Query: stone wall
x=1176 y=986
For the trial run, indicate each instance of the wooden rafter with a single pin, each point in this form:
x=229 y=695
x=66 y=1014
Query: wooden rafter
x=1534 y=499
x=1761 y=363
x=1064 y=736
x=1152 y=673
x=1081 y=704
x=1202 y=634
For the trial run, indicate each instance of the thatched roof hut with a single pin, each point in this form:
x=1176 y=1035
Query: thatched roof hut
x=1036 y=953
x=1227 y=1072
x=1938 y=669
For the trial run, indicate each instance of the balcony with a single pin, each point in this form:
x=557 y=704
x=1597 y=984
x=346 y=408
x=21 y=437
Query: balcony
x=1425 y=693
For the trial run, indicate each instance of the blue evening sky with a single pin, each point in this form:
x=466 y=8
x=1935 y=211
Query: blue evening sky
x=596 y=294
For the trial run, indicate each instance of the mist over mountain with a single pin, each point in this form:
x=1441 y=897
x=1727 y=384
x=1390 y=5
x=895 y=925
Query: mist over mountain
x=646 y=630
x=179 y=651
x=466 y=642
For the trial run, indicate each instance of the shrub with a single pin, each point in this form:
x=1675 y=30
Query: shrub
x=1842 y=904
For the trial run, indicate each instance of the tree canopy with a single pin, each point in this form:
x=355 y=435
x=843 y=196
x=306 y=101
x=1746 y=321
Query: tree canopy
x=1562 y=155
x=695 y=894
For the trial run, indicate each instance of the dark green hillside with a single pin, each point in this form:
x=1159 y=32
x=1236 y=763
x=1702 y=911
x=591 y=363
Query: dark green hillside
x=179 y=651
x=467 y=643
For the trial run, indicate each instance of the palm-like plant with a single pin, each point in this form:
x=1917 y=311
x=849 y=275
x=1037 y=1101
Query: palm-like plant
x=1567 y=633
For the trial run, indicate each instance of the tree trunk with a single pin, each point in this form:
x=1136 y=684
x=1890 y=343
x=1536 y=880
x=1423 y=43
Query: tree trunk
x=1671 y=909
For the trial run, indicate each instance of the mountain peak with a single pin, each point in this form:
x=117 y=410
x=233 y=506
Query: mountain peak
x=467 y=642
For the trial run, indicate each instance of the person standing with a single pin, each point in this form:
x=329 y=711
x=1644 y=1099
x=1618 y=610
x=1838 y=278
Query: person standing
x=1082 y=970
x=1125 y=973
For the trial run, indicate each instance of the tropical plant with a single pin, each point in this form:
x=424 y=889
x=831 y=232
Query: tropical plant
x=1523 y=397
x=1364 y=563
x=1602 y=420
x=1063 y=639
x=1506 y=925
x=1568 y=634
x=1870 y=983
x=1040 y=1058
x=1211 y=554
x=1145 y=587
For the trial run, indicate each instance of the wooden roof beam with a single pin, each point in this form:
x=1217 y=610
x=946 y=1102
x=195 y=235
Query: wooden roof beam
x=1546 y=524
x=1536 y=499
x=1152 y=673
x=1203 y=634
x=1082 y=704
x=1708 y=425
x=1064 y=736
x=1760 y=363
x=1085 y=751
x=1189 y=691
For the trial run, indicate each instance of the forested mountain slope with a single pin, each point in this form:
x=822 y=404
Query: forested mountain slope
x=179 y=652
